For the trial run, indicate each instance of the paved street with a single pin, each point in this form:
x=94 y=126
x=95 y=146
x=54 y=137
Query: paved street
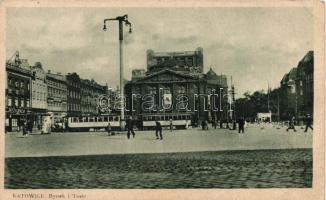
x=98 y=143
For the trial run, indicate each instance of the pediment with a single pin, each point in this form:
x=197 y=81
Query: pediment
x=166 y=76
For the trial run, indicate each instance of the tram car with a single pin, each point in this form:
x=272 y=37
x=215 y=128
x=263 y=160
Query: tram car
x=89 y=123
x=179 y=121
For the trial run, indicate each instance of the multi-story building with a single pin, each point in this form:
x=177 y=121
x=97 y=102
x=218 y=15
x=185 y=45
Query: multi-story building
x=305 y=85
x=174 y=77
x=189 y=60
x=297 y=90
x=57 y=95
x=18 y=92
x=39 y=94
x=74 y=94
x=90 y=92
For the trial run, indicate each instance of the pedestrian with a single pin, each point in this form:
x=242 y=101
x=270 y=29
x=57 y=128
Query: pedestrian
x=130 y=127
x=171 y=125
x=158 y=130
x=214 y=123
x=308 y=123
x=24 y=128
x=203 y=124
x=187 y=125
x=206 y=125
x=109 y=129
x=291 y=124
x=241 y=123
x=221 y=123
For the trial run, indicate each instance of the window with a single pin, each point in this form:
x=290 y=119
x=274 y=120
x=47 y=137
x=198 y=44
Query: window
x=27 y=103
x=22 y=103
x=9 y=101
x=300 y=82
x=16 y=102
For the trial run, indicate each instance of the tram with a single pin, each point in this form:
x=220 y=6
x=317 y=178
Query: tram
x=179 y=121
x=89 y=123
x=143 y=122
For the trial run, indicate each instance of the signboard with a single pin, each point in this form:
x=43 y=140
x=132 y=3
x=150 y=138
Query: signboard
x=167 y=100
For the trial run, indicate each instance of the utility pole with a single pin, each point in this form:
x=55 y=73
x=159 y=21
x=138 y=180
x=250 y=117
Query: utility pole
x=122 y=20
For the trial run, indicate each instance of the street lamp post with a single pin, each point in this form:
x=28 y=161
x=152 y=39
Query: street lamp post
x=121 y=20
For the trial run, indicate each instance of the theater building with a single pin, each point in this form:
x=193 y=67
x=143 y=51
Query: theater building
x=177 y=84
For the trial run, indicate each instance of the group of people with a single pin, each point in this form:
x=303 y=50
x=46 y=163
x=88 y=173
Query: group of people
x=25 y=126
x=204 y=124
x=308 y=122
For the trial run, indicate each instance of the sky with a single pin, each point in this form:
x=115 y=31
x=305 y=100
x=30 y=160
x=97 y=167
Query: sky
x=256 y=46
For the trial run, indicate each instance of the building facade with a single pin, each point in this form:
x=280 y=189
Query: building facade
x=297 y=90
x=18 y=92
x=191 y=60
x=177 y=88
x=57 y=95
x=74 y=94
x=39 y=94
x=90 y=94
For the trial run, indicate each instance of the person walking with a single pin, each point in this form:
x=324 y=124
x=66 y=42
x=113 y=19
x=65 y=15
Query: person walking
x=308 y=123
x=171 y=125
x=24 y=123
x=214 y=123
x=206 y=125
x=109 y=129
x=291 y=124
x=158 y=130
x=130 y=128
x=241 y=123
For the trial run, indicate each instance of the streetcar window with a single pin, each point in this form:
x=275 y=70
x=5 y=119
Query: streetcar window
x=91 y=119
x=144 y=118
x=95 y=119
x=99 y=119
x=85 y=119
x=105 y=118
x=80 y=119
x=183 y=117
x=175 y=118
x=179 y=117
x=116 y=119
x=110 y=118
x=74 y=119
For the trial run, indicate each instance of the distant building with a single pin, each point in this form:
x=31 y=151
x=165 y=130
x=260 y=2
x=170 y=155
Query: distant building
x=18 y=92
x=90 y=92
x=39 y=94
x=74 y=94
x=192 y=61
x=305 y=85
x=297 y=90
x=57 y=95
x=138 y=74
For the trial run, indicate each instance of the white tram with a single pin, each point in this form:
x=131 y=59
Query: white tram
x=179 y=121
x=87 y=123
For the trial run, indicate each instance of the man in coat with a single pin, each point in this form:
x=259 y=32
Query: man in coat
x=308 y=123
x=158 y=130
x=130 y=127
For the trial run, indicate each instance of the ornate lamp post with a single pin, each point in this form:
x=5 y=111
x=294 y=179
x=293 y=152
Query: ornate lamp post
x=121 y=20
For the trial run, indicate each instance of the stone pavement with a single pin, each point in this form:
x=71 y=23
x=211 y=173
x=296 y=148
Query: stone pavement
x=98 y=143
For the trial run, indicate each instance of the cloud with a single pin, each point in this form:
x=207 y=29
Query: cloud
x=254 y=45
